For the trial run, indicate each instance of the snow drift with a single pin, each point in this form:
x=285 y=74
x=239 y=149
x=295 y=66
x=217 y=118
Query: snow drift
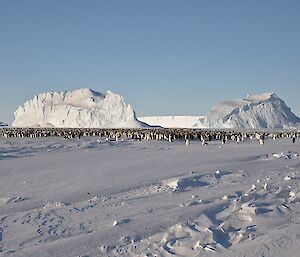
x=67 y=198
x=255 y=111
x=79 y=108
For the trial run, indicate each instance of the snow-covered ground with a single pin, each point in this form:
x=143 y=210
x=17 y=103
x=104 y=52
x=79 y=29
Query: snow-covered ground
x=92 y=197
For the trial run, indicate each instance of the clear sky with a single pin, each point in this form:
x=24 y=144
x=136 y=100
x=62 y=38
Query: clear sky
x=165 y=57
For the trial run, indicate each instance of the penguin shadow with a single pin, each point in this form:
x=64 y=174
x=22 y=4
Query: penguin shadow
x=220 y=174
x=17 y=199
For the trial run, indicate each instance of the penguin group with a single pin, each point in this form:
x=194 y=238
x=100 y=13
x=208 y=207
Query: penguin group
x=187 y=135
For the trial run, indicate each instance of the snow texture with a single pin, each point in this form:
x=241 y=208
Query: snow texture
x=255 y=111
x=94 y=197
x=76 y=109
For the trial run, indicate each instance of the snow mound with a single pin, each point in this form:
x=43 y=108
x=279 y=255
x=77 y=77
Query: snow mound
x=255 y=111
x=174 y=121
x=81 y=108
x=2 y=124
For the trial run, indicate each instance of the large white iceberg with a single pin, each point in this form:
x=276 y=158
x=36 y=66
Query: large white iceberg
x=254 y=111
x=81 y=108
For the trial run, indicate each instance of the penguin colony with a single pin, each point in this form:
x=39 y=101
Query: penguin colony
x=204 y=136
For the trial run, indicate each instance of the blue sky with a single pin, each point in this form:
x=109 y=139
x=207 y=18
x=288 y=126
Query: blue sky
x=165 y=57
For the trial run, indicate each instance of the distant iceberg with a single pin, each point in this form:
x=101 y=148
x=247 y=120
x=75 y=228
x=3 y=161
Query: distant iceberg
x=254 y=111
x=174 y=121
x=257 y=111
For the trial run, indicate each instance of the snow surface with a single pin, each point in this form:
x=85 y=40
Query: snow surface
x=94 y=197
x=78 y=108
x=264 y=110
x=174 y=121
x=2 y=124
